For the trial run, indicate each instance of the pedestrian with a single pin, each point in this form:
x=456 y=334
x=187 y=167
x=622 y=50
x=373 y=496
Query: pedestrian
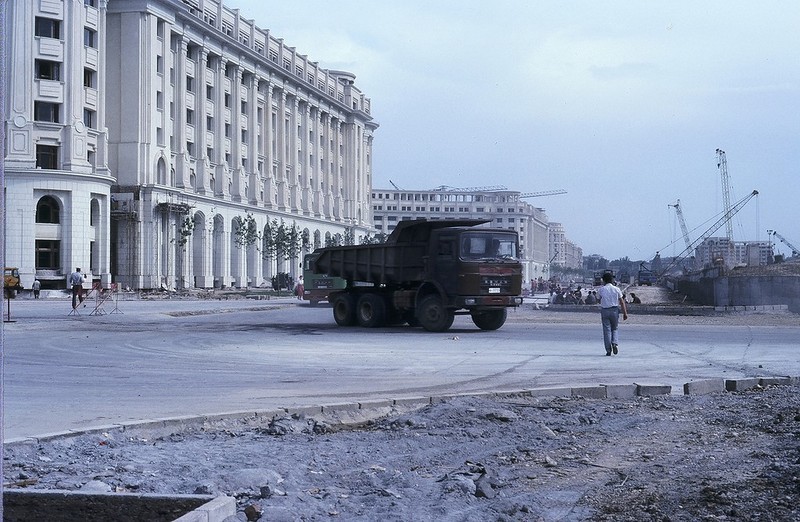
x=37 y=286
x=299 y=290
x=76 y=281
x=611 y=301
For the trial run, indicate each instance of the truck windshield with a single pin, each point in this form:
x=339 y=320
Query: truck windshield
x=488 y=245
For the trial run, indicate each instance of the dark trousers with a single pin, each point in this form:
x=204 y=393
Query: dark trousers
x=77 y=295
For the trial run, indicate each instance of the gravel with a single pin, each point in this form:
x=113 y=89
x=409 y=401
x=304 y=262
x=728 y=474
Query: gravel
x=729 y=456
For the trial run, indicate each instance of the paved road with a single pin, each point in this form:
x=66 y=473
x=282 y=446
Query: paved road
x=175 y=357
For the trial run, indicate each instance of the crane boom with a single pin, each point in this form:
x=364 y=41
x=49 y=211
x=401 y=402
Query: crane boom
x=682 y=222
x=726 y=217
x=722 y=165
x=794 y=249
x=542 y=193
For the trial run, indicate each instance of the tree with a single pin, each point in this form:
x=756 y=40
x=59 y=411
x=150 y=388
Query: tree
x=349 y=236
x=372 y=240
x=280 y=241
x=245 y=231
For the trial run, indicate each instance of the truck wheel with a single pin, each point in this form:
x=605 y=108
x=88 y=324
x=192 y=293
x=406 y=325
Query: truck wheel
x=490 y=319
x=371 y=310
x=433 y=315
x=344 y=309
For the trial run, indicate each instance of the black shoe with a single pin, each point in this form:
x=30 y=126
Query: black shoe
x=614 y=348
x=608 y=353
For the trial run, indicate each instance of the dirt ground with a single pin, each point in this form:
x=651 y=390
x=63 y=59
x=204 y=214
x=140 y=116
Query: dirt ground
x=731 y=456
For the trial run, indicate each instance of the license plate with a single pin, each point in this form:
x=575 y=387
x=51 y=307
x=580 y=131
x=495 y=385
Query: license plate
x=494 y=290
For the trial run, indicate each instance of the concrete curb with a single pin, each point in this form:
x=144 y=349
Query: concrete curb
x=602 y=391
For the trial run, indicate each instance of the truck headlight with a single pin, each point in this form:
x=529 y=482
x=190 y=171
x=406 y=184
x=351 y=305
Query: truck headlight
x=470 y=301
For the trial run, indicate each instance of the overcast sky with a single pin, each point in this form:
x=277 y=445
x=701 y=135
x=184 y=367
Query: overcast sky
x=620 y=103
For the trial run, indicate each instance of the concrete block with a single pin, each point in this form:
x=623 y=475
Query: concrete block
x=509 y=393
x=343 y=406
x=217 y=510
x=551 y=392
x=620 y=391
x=303 y=410
x=775 y=381
x=648 y=390
x=734 y=385
x=492 y=394
x=45 y=437
x=412 y=401
x=271 y=414
x=120 y=507
x=704 y=387
x=376 y=404
x=589 y=392
x=443 y=398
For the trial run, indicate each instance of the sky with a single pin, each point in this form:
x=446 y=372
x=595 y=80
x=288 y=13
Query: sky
x=623 y=104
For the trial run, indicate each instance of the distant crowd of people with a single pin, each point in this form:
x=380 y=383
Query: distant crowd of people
x=579 y=296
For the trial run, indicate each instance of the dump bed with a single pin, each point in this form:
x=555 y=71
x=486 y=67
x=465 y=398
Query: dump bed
x=400 y=260
x=382 y=264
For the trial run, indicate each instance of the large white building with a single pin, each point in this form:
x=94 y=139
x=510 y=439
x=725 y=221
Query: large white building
x=141 y=134
x=504 y=208
x=564 y=252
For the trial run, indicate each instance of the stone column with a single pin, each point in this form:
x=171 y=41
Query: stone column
x=252 y=141
x=235 y=167
x=221 y=171
x=269 y=153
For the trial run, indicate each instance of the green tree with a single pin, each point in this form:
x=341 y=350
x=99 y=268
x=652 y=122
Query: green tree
x=245 y=232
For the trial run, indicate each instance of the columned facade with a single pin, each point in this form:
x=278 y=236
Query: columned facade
x=153 y=128
x=56 y=157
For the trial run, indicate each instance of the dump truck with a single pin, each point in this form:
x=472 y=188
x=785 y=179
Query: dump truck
x=424 y=274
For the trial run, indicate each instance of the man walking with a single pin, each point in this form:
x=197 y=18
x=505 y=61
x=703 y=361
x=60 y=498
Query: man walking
x=610 y=303
x=37 y=287
x=76 y=281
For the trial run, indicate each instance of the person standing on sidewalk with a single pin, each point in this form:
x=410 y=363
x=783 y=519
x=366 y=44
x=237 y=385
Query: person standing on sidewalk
x=76 y=282
x=611 y=301
x=37 y=287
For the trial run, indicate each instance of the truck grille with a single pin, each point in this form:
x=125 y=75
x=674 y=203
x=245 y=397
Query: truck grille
x=495 y=284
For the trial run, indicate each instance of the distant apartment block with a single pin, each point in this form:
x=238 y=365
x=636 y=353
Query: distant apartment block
x=563 y=252
x=502 y=208
x=721 y=250
x=140 y=134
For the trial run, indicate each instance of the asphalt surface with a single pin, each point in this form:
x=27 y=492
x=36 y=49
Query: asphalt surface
x=169 y=357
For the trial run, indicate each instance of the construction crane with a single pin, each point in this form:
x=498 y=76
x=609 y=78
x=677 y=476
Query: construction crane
x=794 y=249
x=682 y=222
x=722 y=165
x=542 y=193
x=726 y=217
x=488 y=188
x=495 y=188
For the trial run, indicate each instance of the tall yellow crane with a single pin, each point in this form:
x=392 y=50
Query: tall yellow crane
x=722 y=165
x=682 y=222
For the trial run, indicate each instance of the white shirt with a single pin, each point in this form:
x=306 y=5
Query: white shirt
x=609 y=295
